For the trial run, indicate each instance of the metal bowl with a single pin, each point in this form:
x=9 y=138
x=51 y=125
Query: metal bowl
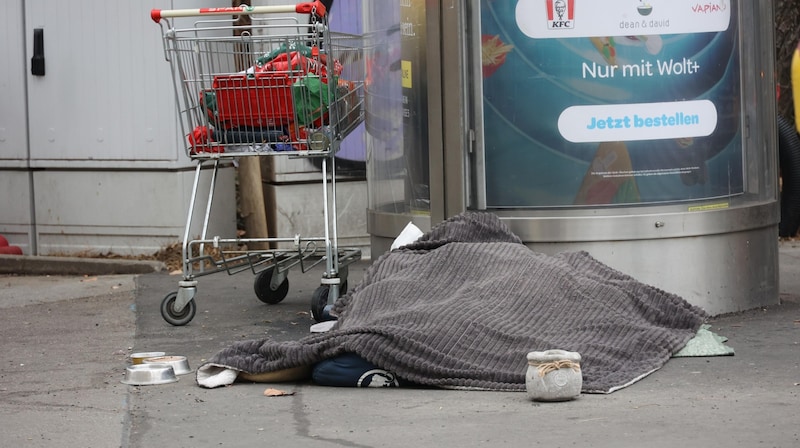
x=138 y=358
x=149 y=374
x=179 y=363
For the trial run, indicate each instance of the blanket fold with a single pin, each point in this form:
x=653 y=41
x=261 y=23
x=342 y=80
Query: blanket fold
x=462 y=306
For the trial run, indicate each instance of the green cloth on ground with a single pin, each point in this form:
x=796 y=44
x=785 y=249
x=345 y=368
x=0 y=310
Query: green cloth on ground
x=705 y=343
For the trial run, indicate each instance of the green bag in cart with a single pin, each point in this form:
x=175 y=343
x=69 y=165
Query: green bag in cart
x=312 y=98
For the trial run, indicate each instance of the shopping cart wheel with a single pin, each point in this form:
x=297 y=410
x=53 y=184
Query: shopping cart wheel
x=319 y=300
x=177 y=318
x=264 y=289
x=320 y=310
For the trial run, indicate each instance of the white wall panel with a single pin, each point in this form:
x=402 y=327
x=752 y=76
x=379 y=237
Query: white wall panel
x=15 y=211
x=125 y=212
x=13 y=134
x=107 y=93
x=100 y=131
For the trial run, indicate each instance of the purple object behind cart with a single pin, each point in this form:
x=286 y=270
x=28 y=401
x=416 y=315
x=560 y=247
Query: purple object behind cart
x=345 y=17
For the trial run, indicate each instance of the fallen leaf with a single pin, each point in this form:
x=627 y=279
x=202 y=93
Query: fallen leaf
x=645 y=405
x=176 y=272
x=276 y=393
x=89 y=279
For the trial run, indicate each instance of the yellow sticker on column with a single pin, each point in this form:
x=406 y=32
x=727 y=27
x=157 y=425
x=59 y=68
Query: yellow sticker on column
x=706 y=207
x=405 y=70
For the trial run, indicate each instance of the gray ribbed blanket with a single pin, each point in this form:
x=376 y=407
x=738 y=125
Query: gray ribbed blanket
x=462 y=306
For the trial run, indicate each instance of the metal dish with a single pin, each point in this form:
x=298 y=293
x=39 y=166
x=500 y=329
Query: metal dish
x=138 y=358
x=179 y=363
x=149 y=374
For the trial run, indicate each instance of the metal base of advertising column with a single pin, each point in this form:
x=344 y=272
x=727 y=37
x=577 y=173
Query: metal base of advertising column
x=722 y=273
x=721 y=260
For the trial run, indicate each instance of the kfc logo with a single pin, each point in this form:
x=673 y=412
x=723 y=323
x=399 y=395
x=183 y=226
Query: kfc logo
x=560 y=14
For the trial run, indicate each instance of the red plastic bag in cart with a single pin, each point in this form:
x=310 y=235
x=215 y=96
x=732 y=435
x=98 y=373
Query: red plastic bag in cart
x=303 y=49
x=202 y=140
x=296 y=56
x=296 y=61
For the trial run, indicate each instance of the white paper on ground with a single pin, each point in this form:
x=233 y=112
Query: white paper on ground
x=322 y=327
x=409 y=234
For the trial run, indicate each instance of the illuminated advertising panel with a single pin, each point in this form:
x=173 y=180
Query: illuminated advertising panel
x=612 y=102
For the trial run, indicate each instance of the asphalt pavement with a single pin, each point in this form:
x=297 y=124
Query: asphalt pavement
x=66 y=341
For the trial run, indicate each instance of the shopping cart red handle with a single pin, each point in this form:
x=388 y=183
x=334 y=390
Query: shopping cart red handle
x=316 y=7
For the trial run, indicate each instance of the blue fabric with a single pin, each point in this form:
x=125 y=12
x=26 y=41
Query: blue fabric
x=351 y=370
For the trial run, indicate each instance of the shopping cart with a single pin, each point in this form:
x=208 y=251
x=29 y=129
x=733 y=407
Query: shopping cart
x=277 y=84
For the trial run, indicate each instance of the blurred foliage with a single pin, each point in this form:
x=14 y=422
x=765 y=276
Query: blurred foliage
x=787 y=35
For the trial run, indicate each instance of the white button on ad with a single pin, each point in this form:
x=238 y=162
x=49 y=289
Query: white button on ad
x=644 y=121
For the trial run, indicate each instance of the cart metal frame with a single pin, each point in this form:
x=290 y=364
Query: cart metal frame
x=272 y=87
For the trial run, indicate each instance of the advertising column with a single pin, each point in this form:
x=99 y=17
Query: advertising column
x=396 y=106
x=614 y=102
x=415 y=105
